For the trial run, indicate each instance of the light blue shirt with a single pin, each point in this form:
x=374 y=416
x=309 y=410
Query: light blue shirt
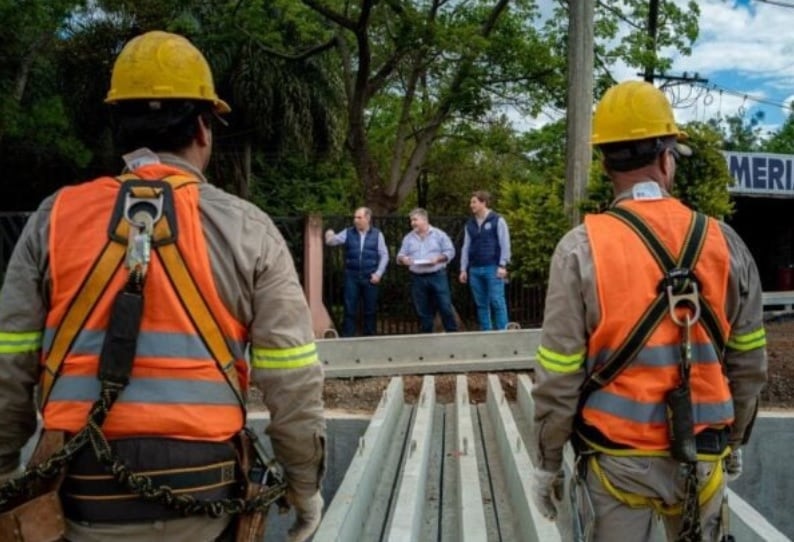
x=433 y=245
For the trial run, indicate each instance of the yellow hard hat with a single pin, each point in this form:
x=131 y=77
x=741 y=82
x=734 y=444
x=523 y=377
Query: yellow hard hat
x=161 y=65
x=633 y=110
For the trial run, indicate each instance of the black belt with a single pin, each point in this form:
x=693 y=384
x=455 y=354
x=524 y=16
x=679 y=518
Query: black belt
x=708 y=441
x=104 y=486
x=203 y=470
x=436 y=272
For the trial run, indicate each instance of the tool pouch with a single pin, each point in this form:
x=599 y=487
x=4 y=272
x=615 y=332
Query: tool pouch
x=40 y=518
x=118 y=350
x=250 y=527
x=681 y=427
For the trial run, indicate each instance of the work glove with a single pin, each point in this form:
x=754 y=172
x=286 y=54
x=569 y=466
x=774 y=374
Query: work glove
x=308 y=511
x=547 y=491
x=732 y=465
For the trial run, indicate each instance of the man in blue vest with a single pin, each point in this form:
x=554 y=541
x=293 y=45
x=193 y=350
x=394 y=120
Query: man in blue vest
x=366 y=257
x=483 y=261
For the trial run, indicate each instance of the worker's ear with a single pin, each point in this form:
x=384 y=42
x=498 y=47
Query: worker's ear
x=203 y=131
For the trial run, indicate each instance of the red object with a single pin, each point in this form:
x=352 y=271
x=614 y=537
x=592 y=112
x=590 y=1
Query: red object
x=785 y=278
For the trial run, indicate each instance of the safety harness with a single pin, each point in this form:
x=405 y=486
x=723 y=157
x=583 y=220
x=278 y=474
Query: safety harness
x=143 y=220
x=678 y=292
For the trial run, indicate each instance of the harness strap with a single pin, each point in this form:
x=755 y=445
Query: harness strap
x=653 y=315
x=80 y=308
x=709 y=489
x=199 y=312
x=106 y=265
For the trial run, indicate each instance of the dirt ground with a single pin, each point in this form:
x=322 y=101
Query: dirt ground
x=362 y=394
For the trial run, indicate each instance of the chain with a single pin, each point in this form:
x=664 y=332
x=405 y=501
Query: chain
x=690 y=516
x=137 y=483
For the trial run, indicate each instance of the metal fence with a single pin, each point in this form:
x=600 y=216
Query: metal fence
x=395 y=310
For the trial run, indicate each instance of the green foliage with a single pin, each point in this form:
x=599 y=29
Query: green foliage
x=701 y=180
x=534 y=212
x=296 y=186
x=782 y=141
x=740 y=134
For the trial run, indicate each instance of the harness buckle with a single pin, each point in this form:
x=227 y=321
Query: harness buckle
x=682 y=293
x=142 y=210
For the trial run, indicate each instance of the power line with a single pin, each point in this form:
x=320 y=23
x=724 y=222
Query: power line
x=748 y=97
x=779 y=3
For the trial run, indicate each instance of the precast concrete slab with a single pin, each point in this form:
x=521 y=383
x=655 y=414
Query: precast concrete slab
x=408 y=516
x=471 y=519
x=480 y=489
x=429 y=353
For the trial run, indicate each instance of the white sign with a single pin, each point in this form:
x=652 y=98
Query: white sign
x=761 y=174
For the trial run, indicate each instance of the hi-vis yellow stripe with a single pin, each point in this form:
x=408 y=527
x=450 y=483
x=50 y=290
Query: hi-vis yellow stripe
x=560 y=363
x=284 y=358
x=17 y=343
x=748 y=341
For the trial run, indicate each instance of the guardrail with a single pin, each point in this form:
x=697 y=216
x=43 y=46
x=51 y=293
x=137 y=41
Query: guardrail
x=783 y=299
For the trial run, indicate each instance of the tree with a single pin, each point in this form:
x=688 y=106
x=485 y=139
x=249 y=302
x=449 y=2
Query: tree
x=701 y=180
x=443 y=61
x=782 y=141
x=740 y=134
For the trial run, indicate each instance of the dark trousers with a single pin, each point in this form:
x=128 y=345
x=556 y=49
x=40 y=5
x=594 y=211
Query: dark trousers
x=430 y=293
x=358 y=289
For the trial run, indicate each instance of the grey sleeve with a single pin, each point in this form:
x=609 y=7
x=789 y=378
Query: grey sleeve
x=383 y=255
x=564 y=337
x=23 y=310
x=745 y=354
x=504 y=242
x=464 y=251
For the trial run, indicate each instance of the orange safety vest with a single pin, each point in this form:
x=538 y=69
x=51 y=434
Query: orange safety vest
x=630 y=410
x=176 y=390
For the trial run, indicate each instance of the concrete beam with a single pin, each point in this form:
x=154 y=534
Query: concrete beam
x=347 y=513
x=409 y=510
x=429 y=353
x=532 y=526
x=471 y=516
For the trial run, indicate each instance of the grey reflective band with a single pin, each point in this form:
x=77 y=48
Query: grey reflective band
x=654 y=413
x=148 y=390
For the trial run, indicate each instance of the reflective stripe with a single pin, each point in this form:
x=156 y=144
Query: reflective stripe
x=748 y=341
x=284 y=358
x=155 y=344
x=17 y=343
x=147 y=390
x=661 y=356
x=635 y=411
x=560 y=363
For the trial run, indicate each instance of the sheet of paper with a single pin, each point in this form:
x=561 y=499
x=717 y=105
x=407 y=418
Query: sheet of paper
x=423 y=261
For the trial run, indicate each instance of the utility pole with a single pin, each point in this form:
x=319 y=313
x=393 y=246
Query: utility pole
x=578 y=152
x=653 y=18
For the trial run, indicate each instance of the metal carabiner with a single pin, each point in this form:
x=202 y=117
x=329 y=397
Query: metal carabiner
x=142 y=211
x=691 y=300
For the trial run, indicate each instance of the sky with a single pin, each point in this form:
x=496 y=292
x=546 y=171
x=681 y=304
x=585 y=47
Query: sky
x=745 y=51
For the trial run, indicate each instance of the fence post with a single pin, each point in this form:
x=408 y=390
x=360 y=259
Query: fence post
x=313 y=274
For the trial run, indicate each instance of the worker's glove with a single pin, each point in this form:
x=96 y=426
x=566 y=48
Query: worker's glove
x=732 y=465
x=308 y=511
x=10 y=475
x=547 y=491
